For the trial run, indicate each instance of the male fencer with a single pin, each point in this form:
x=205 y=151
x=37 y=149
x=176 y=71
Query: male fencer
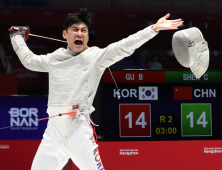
x=74 y=75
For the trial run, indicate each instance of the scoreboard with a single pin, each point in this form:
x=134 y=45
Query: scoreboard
x=162 y=105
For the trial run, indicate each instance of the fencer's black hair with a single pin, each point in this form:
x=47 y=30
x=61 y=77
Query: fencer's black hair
x=77 y=18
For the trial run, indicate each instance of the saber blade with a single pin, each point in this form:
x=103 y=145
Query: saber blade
x=46 y=38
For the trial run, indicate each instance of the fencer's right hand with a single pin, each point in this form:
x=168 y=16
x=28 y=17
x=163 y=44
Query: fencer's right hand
x=19 y=30
x=165 y=24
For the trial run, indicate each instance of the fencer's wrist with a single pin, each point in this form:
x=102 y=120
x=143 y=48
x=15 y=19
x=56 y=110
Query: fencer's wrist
x=155 y=28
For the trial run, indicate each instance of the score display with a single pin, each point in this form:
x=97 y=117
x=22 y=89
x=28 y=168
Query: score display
x=196 y=120
x=162 y=105
x=135 y=120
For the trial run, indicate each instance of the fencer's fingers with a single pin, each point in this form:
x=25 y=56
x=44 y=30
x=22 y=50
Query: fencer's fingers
x=175 y=24
x=170 y=28
x=167 y=16
x=176 y=20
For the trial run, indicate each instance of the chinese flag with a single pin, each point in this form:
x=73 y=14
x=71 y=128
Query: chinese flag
x=182 y=93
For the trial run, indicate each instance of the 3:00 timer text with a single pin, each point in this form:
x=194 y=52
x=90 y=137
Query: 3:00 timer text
x=169 y=130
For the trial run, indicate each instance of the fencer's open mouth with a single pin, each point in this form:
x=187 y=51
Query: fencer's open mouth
x=78 y=42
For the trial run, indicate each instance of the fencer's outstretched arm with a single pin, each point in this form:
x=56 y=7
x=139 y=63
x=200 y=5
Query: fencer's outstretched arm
x=123 y=48
x=117 y=51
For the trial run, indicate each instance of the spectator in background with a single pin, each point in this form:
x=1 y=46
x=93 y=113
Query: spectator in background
x=156 y=65
x=148 y=64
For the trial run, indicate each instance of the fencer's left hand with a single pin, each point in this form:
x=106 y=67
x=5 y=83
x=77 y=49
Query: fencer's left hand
x=164 y=24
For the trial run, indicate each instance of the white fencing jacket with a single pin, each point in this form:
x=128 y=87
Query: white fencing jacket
x=74 y=77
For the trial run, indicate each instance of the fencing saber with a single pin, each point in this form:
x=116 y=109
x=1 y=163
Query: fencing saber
x=18 y=29
x=46 y=38
x=72 y=113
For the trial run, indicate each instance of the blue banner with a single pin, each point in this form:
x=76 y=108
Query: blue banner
x=21 y=112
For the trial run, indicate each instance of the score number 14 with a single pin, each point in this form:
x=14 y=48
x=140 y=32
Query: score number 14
x=135 y=120
x=199 y=122
x=138 y=122
x=196 y=119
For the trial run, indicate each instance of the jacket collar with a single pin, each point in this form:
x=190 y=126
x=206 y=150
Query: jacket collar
x=72 y=53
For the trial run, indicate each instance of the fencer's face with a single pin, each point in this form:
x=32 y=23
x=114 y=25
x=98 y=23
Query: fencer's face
x=77 y=37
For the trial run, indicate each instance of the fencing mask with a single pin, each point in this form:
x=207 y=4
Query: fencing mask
x=191 y=50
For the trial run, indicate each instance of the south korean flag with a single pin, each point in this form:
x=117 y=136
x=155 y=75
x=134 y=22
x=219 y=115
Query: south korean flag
x=148 y=93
